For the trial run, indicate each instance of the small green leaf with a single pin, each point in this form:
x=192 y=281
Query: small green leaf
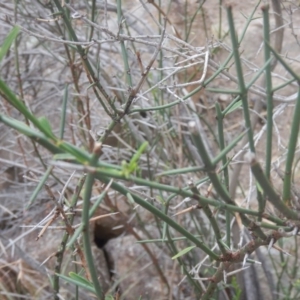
x=39 y=187
x=30 y=132
x=11 y=97
x=234 y=107
x=63 y=113
x=46 y=127
x=79 y=278
x=8 y=41
x=125 y=169
x=160 y=200
x=129 y=168
x=139 y=152
x=64 y=156
x=79 y=281
x=184 y=251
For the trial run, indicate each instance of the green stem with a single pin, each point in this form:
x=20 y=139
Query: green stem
x=232 y=207
x=93 y=12
x=213 y=222
x=174 y=249
x=291 y=153
x=85 y=222
x=268 y=76
x=242 y=86
x=63 y=113
x=123 y=48
x=220 y=189
x=225 y=169
x=273 y=197
x=61 y=250
x=121 y=189
x=220 y=20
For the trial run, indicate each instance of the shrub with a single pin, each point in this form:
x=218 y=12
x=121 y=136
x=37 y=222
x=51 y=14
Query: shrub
x=106 y=103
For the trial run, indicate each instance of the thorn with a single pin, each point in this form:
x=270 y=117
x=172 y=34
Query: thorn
x=281 y=250
x=245 y=259
x=295 y=231
x=225 y=276
x=188 y=210
x=270 y=245
x=237 y=271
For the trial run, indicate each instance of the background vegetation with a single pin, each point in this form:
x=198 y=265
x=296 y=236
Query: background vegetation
x=149 y=150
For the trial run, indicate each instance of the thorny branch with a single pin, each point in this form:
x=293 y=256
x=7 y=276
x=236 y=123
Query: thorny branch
x=191 y=56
